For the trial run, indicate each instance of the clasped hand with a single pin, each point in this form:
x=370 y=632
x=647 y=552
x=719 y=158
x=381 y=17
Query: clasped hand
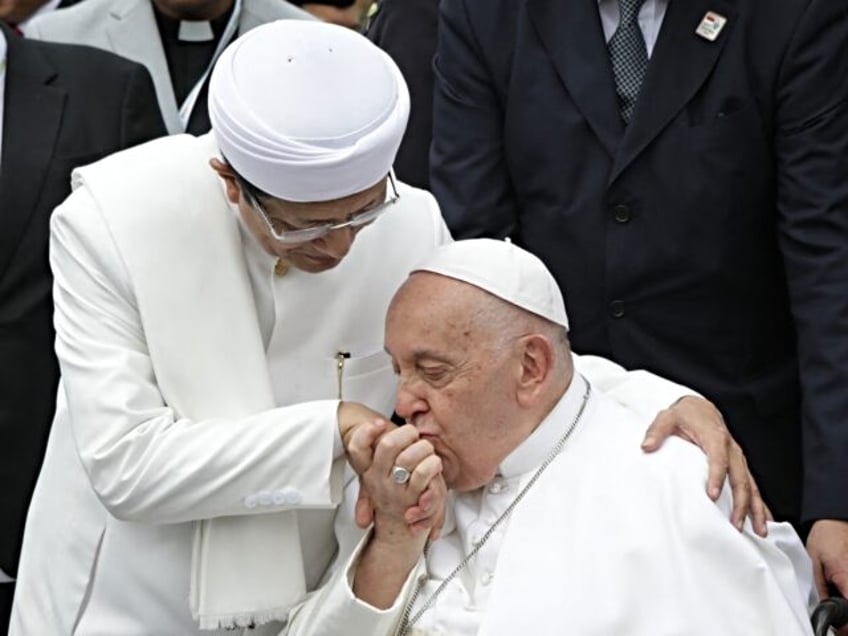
x=399 y=511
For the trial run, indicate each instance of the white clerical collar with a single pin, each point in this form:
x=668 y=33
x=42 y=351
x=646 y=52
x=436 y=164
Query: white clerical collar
x=195 y=31
x=533 y=450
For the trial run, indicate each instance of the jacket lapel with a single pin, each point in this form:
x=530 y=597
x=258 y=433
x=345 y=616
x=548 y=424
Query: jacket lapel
x=251 y=17
x=32 y=116
x=571 y=33
x=680 y=64
x=133 y=33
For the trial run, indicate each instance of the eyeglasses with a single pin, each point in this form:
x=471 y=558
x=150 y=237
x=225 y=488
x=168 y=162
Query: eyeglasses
x=278 y=230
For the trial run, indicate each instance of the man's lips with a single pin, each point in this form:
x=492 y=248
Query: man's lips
x=320 y=260
x=433 y=439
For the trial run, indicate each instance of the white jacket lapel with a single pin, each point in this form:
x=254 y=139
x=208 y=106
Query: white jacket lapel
x=132 y=32
x=230 y=377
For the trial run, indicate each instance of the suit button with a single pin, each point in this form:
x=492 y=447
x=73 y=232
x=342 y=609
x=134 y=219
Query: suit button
x=616 y=309
x=621 y=213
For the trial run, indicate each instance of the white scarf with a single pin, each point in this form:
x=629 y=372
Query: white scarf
x=182 y=249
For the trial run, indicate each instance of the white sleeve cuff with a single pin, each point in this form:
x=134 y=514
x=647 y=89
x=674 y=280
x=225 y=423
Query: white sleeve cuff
x=334 y=609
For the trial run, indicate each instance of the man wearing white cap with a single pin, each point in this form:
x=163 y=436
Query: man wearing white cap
x=557 y=523
x=203 y=362
x=218 y=332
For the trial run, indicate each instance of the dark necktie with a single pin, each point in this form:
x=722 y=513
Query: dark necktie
x=629 y=57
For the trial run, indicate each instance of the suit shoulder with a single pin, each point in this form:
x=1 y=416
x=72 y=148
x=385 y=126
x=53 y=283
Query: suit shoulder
x=623 y=428
x=779 y=20
x=269 y=10
x=410 y=230
x=494 y=26
x=426 y=208
x=80 y=60
x=605 y=451
x=787 y=7
x=409 y=15
x=62 y=25
x=152 y=161
x=497 y=10
x=419 y=195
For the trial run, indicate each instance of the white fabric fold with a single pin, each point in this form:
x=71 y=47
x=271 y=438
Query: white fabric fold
x=236 y=587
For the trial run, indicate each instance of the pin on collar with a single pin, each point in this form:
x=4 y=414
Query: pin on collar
x=711 y=25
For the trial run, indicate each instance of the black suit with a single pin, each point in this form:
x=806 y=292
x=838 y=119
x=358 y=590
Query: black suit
x=64 y=106
x=406 y=30
x=707 y=242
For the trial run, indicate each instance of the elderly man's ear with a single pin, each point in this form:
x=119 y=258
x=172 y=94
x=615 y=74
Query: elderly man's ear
x=230 y=184
x=538 y=366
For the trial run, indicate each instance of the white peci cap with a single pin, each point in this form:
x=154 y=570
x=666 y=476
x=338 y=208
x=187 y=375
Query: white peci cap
x=307 y=111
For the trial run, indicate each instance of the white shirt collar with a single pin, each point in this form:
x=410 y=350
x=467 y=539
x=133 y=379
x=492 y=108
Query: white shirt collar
x=534 y=450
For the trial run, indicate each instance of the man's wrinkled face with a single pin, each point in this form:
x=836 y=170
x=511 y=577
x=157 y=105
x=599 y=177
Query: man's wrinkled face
x=15 y=11
x=320 y=254
x=456 y=378
x=312 y=256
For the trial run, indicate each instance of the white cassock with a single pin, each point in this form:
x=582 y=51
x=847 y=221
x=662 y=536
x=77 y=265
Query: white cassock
x=609 y=541
x=198 y=385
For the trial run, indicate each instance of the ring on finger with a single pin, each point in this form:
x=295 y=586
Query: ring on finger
x=400 y=475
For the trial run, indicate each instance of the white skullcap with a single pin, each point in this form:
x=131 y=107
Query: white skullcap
x=504 y=270
x=307 y=111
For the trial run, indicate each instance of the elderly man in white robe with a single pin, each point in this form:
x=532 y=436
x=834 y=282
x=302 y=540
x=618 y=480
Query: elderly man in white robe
x=219 y=307
x=557 y=523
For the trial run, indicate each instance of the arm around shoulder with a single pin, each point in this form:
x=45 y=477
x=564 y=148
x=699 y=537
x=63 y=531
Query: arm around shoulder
x=638 y=390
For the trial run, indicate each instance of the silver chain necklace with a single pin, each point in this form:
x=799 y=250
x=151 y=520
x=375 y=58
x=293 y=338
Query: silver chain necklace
x=407 y=619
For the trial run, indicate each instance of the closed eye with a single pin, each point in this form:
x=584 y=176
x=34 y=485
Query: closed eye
x=433 y=375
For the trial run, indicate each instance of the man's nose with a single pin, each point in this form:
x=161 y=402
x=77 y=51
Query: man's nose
x=408 y=404
x=337 y=242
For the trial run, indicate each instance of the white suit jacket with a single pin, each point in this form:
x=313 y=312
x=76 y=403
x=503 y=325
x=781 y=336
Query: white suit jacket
x=608 y=541
x=154 y=312
x=128 y=28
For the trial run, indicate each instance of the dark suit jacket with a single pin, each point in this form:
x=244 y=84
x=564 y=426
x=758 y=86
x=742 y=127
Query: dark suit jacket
x=709 y=241
x=64 y=106
x=406 y=30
